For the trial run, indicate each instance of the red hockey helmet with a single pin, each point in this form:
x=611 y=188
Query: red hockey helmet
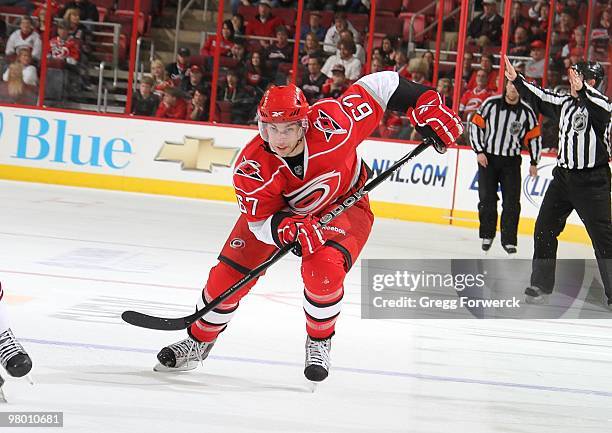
x=282 y=104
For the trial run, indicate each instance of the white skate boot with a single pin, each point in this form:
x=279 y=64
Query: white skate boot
x=182 y=356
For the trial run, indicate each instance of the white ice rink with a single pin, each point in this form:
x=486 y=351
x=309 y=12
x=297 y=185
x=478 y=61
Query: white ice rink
x=71 y=260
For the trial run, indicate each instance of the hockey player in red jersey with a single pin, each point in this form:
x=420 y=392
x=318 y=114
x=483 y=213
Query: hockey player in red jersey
x=302 y=163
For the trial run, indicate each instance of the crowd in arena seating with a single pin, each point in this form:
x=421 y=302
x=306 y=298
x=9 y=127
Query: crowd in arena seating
x=256 y=51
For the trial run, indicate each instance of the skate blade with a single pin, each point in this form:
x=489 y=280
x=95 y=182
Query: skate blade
x=536 y=301
x=3 y=398
x=311 y=386
x=28 y=377
x=160 y=368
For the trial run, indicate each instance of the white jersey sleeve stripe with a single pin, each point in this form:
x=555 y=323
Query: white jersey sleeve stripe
x=380 y=85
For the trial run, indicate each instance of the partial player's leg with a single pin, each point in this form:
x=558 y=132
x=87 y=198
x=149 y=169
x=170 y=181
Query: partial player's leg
x=323 y=274
x=241 y=253
x=13 y=356
x=554 y=211
x=592 y=202
x=510 y=179
x=487 y=206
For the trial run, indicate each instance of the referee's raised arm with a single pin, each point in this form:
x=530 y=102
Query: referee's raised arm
x=543 y=101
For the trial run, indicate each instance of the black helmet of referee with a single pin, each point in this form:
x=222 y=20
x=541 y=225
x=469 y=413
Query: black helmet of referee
x=590 y=71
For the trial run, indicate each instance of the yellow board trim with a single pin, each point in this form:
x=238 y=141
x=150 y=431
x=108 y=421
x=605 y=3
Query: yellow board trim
x=407 y=212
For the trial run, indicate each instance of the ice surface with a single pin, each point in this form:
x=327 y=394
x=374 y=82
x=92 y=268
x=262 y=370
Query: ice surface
x=71 y=260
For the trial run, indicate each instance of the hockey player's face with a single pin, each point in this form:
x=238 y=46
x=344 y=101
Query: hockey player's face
x=284 y=138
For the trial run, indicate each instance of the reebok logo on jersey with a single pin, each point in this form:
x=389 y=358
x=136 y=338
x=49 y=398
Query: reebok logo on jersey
x=249 y=168
x=327 y=125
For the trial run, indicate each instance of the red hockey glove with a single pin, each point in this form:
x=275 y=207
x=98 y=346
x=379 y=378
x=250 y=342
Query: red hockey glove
x=304 y=230
x=432 y=118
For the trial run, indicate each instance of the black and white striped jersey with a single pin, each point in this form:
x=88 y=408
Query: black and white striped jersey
x=584 y=123
x=499 y=128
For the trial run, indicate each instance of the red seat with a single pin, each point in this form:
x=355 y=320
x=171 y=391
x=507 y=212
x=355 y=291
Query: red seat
x=248 y=12
x=388 y=7
x=223 y=113
x=102 y=12
x=418 y=5
x=109 y=4
x=16 y=10
x=359 y=21
x=327 y=18
x=419 y=26
x=287 y=15
x=389 y=26
x=228 y=62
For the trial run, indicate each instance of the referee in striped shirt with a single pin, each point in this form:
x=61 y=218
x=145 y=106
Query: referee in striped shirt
x=581 y=180
x=499 y=128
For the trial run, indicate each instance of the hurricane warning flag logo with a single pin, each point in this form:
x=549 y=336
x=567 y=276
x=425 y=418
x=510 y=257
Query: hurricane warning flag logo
x=327 y=125
x=199 y=154
x=249 y=168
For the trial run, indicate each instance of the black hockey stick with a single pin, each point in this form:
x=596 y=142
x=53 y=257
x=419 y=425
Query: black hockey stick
x=151 y=322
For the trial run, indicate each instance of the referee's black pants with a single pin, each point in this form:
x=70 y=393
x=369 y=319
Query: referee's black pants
x=504 y=171
x=588 y=192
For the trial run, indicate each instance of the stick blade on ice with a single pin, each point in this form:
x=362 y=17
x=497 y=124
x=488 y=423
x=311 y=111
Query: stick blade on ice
x=151 y=322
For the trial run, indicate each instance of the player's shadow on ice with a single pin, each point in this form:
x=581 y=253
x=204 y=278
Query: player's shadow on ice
x=187 y=381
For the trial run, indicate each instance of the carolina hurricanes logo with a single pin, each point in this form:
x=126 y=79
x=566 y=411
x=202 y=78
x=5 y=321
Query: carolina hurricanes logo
x=327 y=125
x=315 y=194
x=249 y=168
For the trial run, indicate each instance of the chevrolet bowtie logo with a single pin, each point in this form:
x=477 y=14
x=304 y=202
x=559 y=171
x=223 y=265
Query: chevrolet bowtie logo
x=197 y=154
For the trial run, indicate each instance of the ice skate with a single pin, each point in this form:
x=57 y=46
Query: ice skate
x=510 y=249
x=317 y=359
x=533 y=295
x=486 y=244
x=182 y=356
x=13 y=356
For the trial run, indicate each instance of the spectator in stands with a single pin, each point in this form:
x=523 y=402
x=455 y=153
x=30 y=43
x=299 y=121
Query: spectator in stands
x=311 y=48
x=388 y=51
x=517 y=19
x=172 y=106
x=25 y=35
x=401 y=64
x=65 y=48
x=390 y=125
x=377 y=65
x=312 y=84
x=520 y=43
x=3 y=31
x=539 y=20
x=418 y=70
x=428 y=56
x=192 y=81
x=198 y=107
x=30 y=74
x=553 y=78
x=337 y=84
x=87 y=10
x=41 y=13
x=347 y=35
x=160 y=77
x=177 y=70
x=332 y=37
x=566 y=26
x=473 y=99
x=239 y=54
x=144 y=101
x=264 y=24
x=444 y=88
x=534 y=69
x=314 y=26
x=468 y=60
x=486 y=28
x=26 y=4
x=486 y=64
x=243 y=102
x=238 y=24
x=577 y=40
x=227 y=41
x=519 y=66
x=279 y=51
x=257 y=75
x=346 y=58
x=79 y=32
x=14 y=90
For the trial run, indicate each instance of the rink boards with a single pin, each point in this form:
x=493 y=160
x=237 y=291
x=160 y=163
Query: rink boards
x=194 y=160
